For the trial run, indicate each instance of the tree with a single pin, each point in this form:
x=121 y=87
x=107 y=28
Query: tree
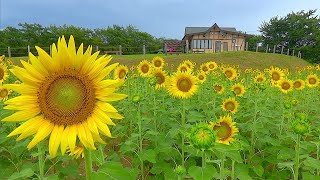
x=297 y=30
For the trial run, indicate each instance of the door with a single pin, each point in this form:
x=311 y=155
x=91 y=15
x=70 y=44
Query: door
x=225 y=46
x=218 y=46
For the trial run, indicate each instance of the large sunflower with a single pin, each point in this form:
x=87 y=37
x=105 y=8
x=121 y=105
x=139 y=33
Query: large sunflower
x=230 y=105
x=120 y=72
x=182 y=85
x=285 y=85
x=225 y=130
x=276 y=74
x=312 y=80
x=230 y=73
x=144 y=68
x=238 y=89
x=158 y=62
x=161 y=78
x=298 y=84
x=3 y=72
x=65 y=96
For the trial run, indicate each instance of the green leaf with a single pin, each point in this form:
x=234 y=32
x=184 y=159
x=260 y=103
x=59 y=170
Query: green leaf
x=52 y=177
x=199 y=173
x=242 y=172
x=311 y=162
x=115 y=170
x=71 y=170
x=234 y=155
x=258 y=170
x=25 y=173
x=148 y=155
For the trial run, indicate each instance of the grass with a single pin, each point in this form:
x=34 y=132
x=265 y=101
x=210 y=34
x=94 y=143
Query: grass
x=245 y=59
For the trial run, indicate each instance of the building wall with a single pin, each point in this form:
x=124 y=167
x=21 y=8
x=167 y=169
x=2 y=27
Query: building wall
x=216 y=35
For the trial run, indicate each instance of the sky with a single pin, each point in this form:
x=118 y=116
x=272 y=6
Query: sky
x=160 y=18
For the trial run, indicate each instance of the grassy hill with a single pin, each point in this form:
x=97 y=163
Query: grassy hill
x=245 y=59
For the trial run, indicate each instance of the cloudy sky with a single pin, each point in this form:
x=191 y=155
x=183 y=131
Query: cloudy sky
x=161 y=18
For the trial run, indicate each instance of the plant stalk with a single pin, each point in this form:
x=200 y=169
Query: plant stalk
x=88 y=163
x=183 y=122
x=297 y=162
x=232 y=170
x=222 y=167
x=41 y=162
x=203 y=159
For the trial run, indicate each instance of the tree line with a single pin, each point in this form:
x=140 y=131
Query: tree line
x=129 y=37
x=299 y=31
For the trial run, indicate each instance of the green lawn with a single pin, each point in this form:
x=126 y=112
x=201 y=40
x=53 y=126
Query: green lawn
x=245 y=59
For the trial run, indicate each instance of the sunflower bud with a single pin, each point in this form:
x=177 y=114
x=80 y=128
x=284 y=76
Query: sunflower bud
x=136 y=98
x=301 y=116
x=287 y=105
x=202 y=137
x=180 y=170
x=300 y=126
x=294 y=102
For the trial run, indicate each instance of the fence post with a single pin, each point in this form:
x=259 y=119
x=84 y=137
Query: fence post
x=144 y=50
x=247 y=45
x=97 y=48
x=28 y=50
x=50 y=49
x=274 y=49
x=267 y=50
x=288 y=52
x=120 y=50
x=282 y=49
x=9 y=52
x=292 y=52
x=165 y=48
x=187 y=46
x=257 y=47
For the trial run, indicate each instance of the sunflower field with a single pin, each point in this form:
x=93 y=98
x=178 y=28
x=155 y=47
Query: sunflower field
x=77 y=115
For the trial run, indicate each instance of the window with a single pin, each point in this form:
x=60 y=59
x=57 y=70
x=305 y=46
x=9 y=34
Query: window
x=202 y=44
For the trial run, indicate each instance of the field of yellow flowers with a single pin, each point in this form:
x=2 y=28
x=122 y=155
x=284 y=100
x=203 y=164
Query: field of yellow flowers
x=76 y=115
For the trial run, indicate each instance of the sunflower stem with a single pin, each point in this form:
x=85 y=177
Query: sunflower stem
x=222 y=166
x=183 y=122
x=318 y=172
x=232 y=170
x=297 y=161
x=203 y=159
x=41 y=162
x=88 y=163
x=140 y=142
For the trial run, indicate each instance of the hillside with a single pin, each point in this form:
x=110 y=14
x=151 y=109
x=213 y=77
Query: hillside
x=245 y=59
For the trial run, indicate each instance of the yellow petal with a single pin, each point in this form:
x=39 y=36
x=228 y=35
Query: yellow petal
x=46 y=60
x=105 y=72
x=32 y=71
x=97 y=138
x=64 y=140
x=42 y=133
x=114 y=115
x=72 y=137
x=55 y=140
x=25 y=77
x=31 y=123
x=22 y=88
x=22 y=115
x=82 y=135
x=92 y=125
x=103 y=128
x=38 y=65
x=103 y=117
x=104 y=106
x=113 y=97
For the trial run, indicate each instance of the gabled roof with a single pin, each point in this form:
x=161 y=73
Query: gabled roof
x=203 y=30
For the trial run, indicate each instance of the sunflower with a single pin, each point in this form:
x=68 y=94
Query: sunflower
x=189 y=64
x=158 y=62
x=230 y=105
x=230 y=73
x=312 y=80
x=120 y=72
x=144 y=68
x=65 y=96
x=182 y=85
x=183 y=68
x=212 y=65
x=260 y=78
x=202 y=137
x=201 y=76
x=298 y=84
x=276 y=74
x=161 y=78
x=204 y=67
x=3 y=72
x=218 y=88
x=238 y=89
x=285 y=85
x=4 y=93
x=225 y=130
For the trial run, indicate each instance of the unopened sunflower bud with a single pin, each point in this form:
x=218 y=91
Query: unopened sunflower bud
x=136 y=98
x=202 y=137
x=180 y=170
x=300 y=126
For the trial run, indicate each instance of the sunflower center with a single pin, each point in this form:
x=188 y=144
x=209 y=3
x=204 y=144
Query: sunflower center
x=275 y=76
x=217 y=88
x=160 y=78
x=230 y=106
x=202 y=135
x=145 y=68
x=184 y=84
x=224 y=131
x=228 y=74
x=297 y=84
x=205 y=69
x=4 y=93
x=1 y=73
x=157 y=63
x=211 y=66
x=285 y=86
x=259 y=79
x=201 y=77
x=237 y=90
x=66 y=98
x=312 y=81
x=122 y=74
x=183 y=69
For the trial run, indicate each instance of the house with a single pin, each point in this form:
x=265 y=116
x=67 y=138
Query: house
x=214 y=39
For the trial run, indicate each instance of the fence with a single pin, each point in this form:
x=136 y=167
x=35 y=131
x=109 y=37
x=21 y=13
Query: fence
x=144 y=49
